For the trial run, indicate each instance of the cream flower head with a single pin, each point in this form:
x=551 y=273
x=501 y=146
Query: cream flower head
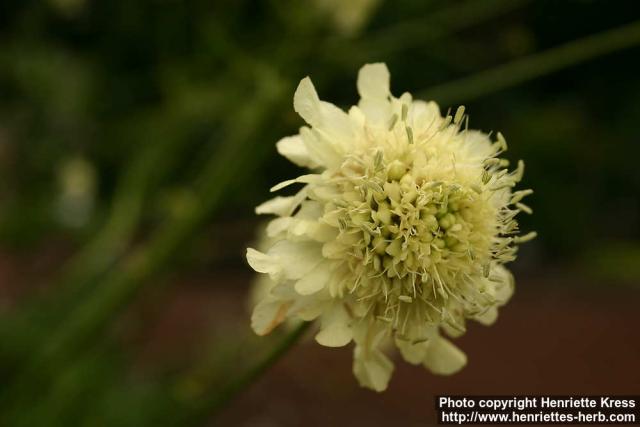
x=401 y=231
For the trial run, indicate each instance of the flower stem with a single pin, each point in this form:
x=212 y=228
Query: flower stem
x=438 y=25
x=87 y=319
x=211 y=406
x=536 y=65
x=416 y=32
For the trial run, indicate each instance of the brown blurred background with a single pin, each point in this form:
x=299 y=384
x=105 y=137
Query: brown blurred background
x=137 y=136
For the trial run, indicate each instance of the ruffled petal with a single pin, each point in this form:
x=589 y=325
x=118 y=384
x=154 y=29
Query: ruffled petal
x=310 y=209
x=373 y=81
x=453 y=331
x=488 y=317
x=478 y=144
x=296 y=258
x=505 y=284
x=377 y=111
x=424 y=118
x=372 y=369
x=335 y=328
x=414 y=344
x=278 y=226
x=277 y=206
x=315 y=280
x=268 y=314
x=334 y=250
x=325 y=118
x=444 y=358
x=308 y=309
x=337 y=125
x=305 y=179
x=320 y=149
x=263 y=263
x=305 y=225
x=307 y=103
x=295 y=150
x=413 y=353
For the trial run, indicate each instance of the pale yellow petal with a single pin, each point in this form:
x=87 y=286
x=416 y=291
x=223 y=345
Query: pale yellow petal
x=278 y=206
x=306 y=179
x=444 y=358
x=374 y=81
x=262 y=263
x=335 y=327
x=413 y=353
x=377 y=111
x=372 y=369
x=295 y=150
x=307 y=103
x=488 y=317
x=320 y=148
x=268 y=314
x=296 y=258
x=315 y=280
x=337 y=125
x=278 y=226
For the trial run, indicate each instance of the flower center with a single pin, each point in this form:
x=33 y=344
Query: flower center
x=402 y=228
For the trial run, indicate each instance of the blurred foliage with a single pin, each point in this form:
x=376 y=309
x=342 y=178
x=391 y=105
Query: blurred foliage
x=127 y=126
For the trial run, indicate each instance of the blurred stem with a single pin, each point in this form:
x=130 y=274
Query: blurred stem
x=116 y=289
x=33 y=323
x=536 y=65
x=151 y=164
x=211 y=406
x=437 y=25
x=419 y=31
x=99 y=254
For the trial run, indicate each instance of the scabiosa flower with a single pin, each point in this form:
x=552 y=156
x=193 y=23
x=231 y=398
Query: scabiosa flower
x=400 y=233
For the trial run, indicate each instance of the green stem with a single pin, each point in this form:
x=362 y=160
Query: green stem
x=137 y=182
x=32 y=324
x=536 y=65
x=416 y=32
x=437 y=25
x=211 y=406
x=88 y=318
